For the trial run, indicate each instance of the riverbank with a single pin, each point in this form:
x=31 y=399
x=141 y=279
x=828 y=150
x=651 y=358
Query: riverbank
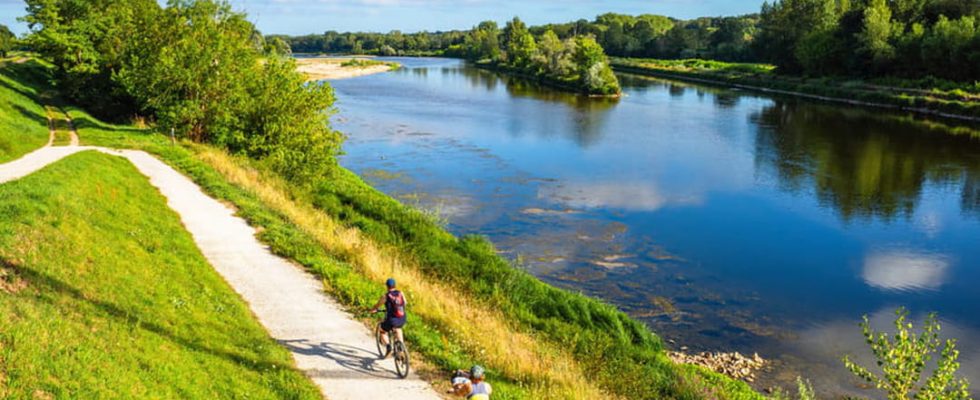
x=537 y=341
x=331 y=68
x=952 y=103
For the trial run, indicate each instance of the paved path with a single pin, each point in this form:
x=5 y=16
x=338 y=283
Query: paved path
x=336 y=351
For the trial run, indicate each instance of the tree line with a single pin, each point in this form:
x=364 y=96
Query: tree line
x=620 y=35
x=903 y=38
x=578 y=63
x=909 y=38
x=195 y=66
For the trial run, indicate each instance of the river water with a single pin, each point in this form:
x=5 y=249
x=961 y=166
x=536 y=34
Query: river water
x=725 y=220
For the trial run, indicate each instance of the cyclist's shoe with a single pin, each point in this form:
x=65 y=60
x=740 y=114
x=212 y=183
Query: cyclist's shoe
x=388 y=351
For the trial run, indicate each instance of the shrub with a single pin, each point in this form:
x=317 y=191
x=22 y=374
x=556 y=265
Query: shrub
x=903 y=359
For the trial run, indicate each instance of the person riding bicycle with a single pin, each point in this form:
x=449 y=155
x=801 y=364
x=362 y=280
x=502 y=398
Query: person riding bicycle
x=395 y=316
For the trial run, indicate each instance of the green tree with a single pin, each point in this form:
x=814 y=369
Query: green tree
x=483 y=42
x=277 y=46
x=557 y=57
x=192 y=69
x=88 y=42
x=593 y=68
x=952 y=48
x=519 y=44
x=877 y=33
x=7 y=40
x=783 y=25
x=903 y=359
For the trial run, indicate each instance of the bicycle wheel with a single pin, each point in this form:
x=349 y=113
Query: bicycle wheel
x=382 y=349
x=401 y=360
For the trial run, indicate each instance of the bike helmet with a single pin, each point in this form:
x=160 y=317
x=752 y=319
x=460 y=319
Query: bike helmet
x=390 y=282
x=476 y=372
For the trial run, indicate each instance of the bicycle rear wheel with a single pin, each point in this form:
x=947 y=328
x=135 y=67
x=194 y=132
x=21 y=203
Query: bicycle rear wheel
x=401 y=359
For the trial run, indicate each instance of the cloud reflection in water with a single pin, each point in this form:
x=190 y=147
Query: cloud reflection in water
x=629 y=196
x=905 y=270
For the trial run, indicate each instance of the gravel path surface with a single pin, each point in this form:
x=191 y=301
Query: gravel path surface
x=336 y=351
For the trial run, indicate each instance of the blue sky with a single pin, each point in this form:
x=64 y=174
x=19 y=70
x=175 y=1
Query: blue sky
x=317 y=16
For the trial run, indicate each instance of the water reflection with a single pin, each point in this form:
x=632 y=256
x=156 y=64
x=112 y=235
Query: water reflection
x=862 y=164
x=628 y=196
x=723 y=219
x=901 y=269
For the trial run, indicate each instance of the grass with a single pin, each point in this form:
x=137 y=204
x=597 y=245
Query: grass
x=928 y=95
x=23 y=121
x=104 y=295
x=468 y=306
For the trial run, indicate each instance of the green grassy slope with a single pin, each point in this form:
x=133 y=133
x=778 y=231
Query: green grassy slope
x=104 y=295
x=23 y=124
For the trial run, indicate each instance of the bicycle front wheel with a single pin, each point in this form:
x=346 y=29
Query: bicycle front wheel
x=382 y=349
x=401 y=360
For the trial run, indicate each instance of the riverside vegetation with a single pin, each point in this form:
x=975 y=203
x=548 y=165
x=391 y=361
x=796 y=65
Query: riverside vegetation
x=264 y=145
x=538 y=341
x=577 y=63
x=922 y=55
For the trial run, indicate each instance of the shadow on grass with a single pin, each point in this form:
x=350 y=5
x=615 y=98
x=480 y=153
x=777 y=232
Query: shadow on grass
x=31 y=114
x=87 y=122
x=40 y=280
x=30 y=74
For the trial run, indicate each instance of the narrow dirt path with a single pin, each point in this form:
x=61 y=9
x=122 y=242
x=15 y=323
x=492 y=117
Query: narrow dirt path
x=336 y=351
x=73 y=141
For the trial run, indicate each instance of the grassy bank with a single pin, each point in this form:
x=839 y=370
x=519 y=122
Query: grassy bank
x=468 y=305
x=23 y=122
x=112 y=299
x=929 y=96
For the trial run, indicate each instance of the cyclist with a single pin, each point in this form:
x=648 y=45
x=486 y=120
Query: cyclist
x=394 y=302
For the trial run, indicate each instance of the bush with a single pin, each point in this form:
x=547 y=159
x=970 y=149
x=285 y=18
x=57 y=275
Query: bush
x=903 y=359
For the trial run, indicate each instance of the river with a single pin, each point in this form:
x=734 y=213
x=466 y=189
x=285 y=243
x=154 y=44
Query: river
x=725 y=220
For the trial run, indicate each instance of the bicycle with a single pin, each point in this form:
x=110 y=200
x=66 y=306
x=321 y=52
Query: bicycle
x=397 y=345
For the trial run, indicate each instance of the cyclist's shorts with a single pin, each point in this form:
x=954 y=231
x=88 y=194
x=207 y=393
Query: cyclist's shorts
x=389 y=324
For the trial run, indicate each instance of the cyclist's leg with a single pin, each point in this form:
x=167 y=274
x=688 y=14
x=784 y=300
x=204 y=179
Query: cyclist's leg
x=385 y=327
x=397 y=326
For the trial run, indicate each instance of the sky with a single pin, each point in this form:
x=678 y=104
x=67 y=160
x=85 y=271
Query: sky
x=296 y=17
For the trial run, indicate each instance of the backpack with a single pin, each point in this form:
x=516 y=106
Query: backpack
x=396 y=302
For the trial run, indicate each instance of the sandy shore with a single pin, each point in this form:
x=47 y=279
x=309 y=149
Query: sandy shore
x=317 y=69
